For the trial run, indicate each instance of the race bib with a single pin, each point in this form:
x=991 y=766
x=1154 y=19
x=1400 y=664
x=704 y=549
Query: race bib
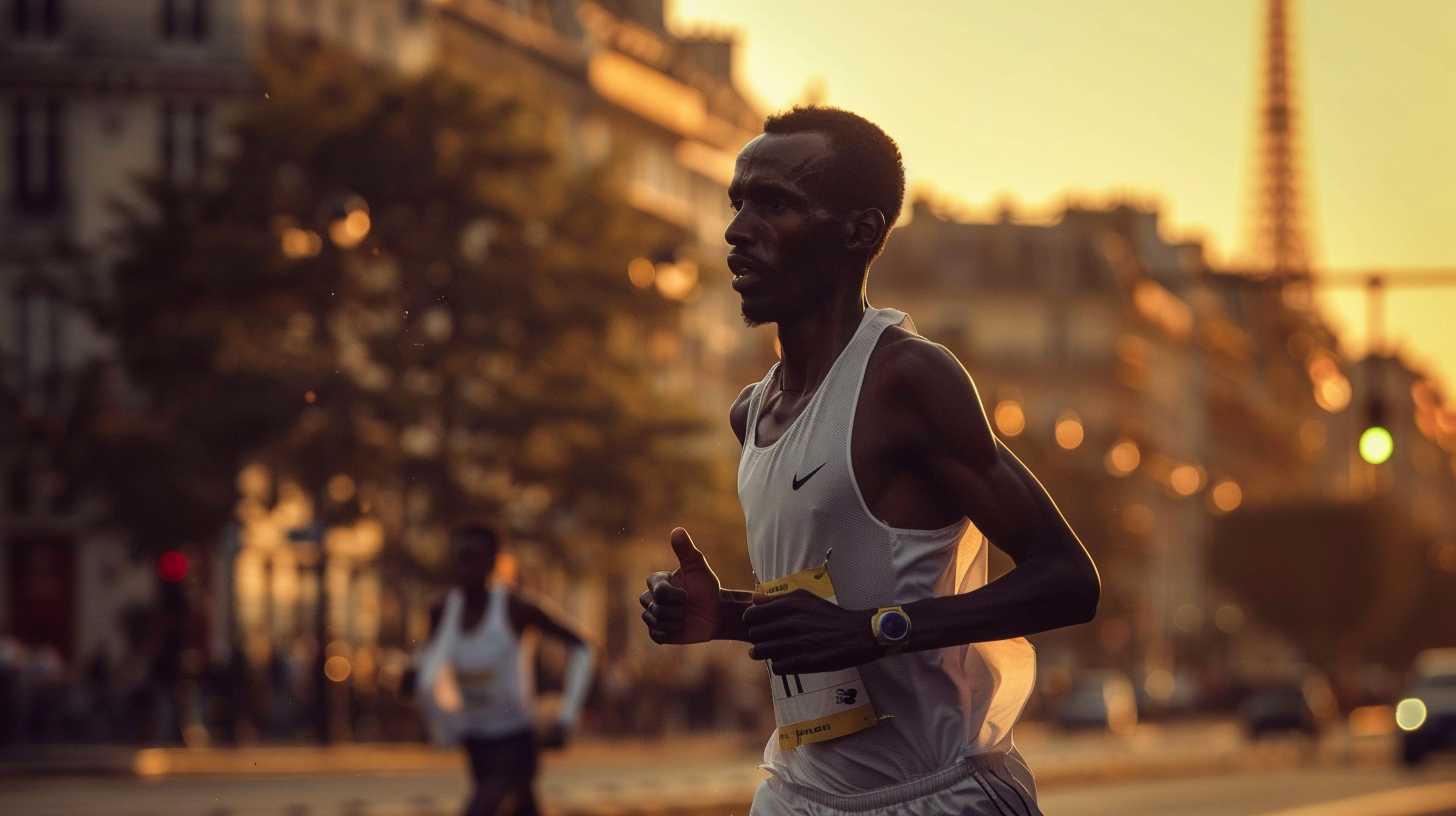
x=820 y=706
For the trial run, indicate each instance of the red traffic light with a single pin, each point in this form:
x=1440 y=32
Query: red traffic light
x=172 y=566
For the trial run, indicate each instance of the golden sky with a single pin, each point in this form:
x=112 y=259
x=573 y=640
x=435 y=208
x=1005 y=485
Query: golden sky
x=1034 y=99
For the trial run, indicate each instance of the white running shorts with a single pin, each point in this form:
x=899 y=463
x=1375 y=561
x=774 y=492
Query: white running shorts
x=983 y=785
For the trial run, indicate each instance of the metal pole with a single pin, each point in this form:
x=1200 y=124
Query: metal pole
x=1375 y=315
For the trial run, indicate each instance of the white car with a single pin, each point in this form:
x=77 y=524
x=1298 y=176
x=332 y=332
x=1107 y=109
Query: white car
x=1426 y=715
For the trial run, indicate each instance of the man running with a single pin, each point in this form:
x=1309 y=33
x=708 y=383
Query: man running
x=477 y=634
x=867 y=475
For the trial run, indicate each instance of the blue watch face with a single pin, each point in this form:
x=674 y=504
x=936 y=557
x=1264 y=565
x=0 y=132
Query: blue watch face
x=894 y=625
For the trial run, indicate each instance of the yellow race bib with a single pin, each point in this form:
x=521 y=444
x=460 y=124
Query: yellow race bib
x=823 y=705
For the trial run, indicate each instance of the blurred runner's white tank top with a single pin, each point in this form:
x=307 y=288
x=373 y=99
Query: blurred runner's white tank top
x=491 y=668
x=933 y=707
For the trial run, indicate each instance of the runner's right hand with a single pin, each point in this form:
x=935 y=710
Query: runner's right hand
x=682 y=606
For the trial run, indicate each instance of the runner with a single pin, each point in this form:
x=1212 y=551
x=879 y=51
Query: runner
x=867 y=476
x=476 y=641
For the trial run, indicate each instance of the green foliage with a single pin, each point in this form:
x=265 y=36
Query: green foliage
x=397 y=280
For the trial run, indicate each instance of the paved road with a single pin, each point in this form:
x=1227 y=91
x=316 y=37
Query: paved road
x=1337 y=792
x=1386 y=791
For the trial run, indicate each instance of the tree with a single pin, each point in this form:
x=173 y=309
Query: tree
x=394 y=294
x=1339 y=579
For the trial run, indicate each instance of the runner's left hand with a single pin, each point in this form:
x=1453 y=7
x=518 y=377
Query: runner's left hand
x=803 y=633
x=552 y=737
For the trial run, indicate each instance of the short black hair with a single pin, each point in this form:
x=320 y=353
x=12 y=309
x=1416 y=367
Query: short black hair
x=475 y=532
x=867 y=170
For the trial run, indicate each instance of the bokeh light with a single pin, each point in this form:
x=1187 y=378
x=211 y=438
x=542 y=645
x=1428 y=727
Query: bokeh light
x=1010 y=420
x=351 y=230
x=641 y=272
x=1376 y=445
x=677 y=281
x=1123 y=458
x=476 y=238
x=1186 y=479
x=1227 y=495
x=300 y=243
x=1410 y=713
x=1069 y=432
x=1159 y=684
x=1333 y=394
x=341 y=487
x=337 y=668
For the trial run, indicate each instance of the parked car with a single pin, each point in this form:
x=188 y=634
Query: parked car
x=1102 y=700
x=1426 y=715
x=1303 y=705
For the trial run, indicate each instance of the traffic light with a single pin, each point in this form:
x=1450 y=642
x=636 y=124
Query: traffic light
x=1376 y=443
x=172 y=567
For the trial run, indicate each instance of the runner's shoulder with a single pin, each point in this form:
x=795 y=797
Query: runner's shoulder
x=738 y=413
x=931 y=391
x=917 y=367
x=528 y=607
x=528 y=611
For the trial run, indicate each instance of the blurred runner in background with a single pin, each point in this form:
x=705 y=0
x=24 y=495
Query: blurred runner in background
x=474 y=678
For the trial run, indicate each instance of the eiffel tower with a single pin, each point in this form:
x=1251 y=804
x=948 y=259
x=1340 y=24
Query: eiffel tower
x=1279 y=245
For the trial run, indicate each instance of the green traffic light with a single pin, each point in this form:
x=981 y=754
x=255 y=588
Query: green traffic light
x=1376 y=445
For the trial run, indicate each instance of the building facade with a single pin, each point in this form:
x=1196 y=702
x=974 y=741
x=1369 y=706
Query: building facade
x=1153 y=393
x=96 y=96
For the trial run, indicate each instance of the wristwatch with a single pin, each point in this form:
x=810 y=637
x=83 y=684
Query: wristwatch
x=891 y=627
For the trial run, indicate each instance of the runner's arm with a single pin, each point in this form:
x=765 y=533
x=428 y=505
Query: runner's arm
x=1054 y=582
x=579 y=661
x=409 y=679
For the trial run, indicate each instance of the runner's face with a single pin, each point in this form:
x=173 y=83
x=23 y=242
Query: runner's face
x=474 y=561
x=781 y=231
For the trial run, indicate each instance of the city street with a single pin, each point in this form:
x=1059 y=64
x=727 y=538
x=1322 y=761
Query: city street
x=1338 y=792
x=1299 y=792
x=1152 y=772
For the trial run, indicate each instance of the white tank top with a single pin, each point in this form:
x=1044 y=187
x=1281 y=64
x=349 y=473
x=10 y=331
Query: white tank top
x=492 y=668
x=800 y=499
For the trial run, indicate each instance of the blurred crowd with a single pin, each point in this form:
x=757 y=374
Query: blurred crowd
x=141 y=699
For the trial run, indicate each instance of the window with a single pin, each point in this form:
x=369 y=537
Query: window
x=38 y=337
x=37 y=155
x=184 y=144
x=185 y=20
x=37 y=18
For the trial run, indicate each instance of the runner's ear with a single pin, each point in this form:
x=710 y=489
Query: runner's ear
x=864 y=229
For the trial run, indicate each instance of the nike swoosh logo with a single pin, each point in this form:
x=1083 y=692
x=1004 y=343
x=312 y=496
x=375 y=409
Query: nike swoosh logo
x=798 y=483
